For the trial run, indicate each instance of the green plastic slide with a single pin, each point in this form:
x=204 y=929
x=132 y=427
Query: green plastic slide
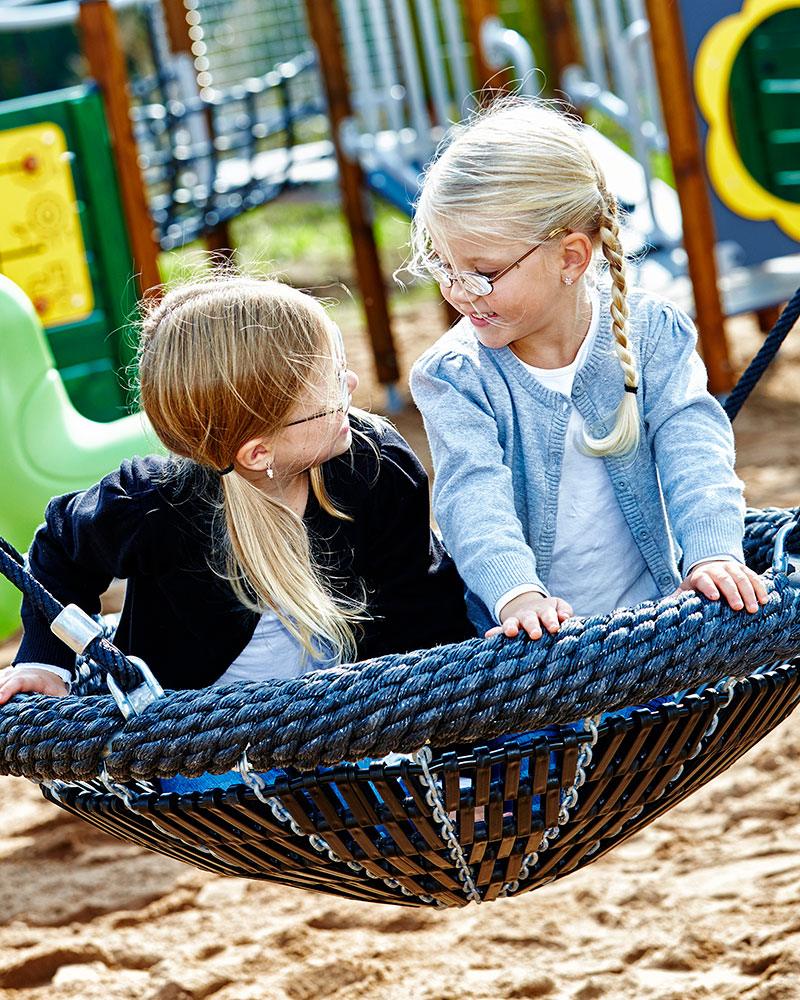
x=46 y=446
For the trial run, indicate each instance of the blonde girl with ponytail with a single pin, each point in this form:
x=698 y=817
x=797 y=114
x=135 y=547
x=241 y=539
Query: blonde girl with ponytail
x=285 y=532
x=580 y=463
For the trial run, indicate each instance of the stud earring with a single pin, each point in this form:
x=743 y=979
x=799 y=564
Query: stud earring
x=567 y=280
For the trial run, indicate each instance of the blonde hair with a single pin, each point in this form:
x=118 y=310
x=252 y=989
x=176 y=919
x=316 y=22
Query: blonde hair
x=224 y=360
x=517 y=172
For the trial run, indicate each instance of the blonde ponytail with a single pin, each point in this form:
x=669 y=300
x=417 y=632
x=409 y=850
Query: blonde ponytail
x=270 y=566
x=224 y=360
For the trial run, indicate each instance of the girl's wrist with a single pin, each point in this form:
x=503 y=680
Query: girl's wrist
x=524 y=588
x=60 y=672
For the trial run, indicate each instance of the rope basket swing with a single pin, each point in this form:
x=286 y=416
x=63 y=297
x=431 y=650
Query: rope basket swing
x=482 y=819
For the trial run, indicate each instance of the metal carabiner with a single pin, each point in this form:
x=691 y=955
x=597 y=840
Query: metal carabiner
x=780 y=557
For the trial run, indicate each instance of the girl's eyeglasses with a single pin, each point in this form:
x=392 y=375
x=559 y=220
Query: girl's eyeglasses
x=344 y=388
x=481 y=284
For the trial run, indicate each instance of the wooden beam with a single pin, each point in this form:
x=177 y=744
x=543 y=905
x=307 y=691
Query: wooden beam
x=326 y=34
x=488 y=81
x=699 y=234
x=101 y=46
x=177 y=26
x=559 y=39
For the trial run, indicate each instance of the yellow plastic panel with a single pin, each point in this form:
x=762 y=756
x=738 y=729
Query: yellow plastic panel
x=41 y=243
x=734 y=184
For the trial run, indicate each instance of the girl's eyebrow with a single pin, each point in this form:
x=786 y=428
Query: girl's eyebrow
x=473 y=263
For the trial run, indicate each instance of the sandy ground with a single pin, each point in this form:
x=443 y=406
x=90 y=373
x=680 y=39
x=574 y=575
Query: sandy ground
x=702 y=904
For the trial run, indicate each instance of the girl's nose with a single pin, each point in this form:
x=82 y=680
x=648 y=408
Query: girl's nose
x=458 y=296
x=352 y=381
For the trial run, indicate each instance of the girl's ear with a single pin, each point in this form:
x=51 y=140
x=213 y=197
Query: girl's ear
x=576 y=255
x=255 y=455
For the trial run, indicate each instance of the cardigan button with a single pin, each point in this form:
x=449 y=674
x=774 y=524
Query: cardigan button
x=642 y=533
x=665 y=580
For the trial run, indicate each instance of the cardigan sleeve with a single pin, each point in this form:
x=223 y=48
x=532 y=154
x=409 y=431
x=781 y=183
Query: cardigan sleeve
x=692 y=443
x=87 y=539
x=473 y=496
x=417 y=597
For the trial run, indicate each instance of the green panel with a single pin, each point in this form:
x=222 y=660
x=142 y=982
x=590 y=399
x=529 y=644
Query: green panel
x=765 y=104
x=36 y=61
x=96 y=349
x=46 y=448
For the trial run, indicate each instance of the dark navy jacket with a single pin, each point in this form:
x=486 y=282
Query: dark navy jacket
x=151 y=523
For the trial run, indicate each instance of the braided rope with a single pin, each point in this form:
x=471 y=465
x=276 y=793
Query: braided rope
x=768 y=350
x=104 y=653
x=466 y=692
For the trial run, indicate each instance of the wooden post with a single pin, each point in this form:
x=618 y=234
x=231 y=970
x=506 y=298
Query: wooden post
x=699 y=235
x=559 y=39
x=488 y=80
x=325 y=32
x=101 y=46
x=177 y=26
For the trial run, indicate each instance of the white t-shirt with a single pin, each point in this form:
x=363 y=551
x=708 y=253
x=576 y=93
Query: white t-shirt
x=273 y=653
x=596 y=563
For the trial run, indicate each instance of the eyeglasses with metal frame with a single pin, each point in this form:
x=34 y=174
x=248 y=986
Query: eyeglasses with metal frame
x=344 y=388
x=481 y=284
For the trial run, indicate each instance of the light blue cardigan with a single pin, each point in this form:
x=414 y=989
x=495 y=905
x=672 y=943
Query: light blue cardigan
x=497 y=439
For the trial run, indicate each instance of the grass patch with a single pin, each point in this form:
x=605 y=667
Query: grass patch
x=307 y=243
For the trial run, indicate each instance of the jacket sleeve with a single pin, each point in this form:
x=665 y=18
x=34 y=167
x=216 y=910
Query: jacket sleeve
x=417 y=597
x=473 y=495
x=692 y=443
x=87 y=539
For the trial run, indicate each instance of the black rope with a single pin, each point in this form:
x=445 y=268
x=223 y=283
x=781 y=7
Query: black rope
x=768 y=350
x=104 y=653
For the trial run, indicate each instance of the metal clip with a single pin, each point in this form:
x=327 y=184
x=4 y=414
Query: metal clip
x=780 y=557
x=134 y=702
x=74 y=627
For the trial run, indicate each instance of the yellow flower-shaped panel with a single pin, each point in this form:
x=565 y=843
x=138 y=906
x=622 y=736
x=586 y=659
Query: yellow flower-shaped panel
x=731 y=179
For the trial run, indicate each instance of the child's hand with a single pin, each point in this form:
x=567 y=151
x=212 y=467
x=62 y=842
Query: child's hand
x=739 y=585
x=529 y=612
x=14 y=680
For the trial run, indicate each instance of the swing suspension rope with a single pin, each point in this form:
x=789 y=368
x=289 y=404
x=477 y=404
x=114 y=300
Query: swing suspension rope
x=767 y=352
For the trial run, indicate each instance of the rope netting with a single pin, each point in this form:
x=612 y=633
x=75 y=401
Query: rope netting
x=233 y=124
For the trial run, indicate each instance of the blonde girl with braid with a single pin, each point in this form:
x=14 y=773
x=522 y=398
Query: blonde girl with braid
x=580 y=463
x=284 y=532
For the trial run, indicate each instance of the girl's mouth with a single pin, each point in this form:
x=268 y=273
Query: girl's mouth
x=478 y=319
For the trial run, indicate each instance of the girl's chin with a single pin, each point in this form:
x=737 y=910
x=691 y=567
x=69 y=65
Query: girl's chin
x=492 y=337
x=343 y=442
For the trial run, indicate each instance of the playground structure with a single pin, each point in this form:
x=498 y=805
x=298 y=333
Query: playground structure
x=214 y=135
x=239 y=102
x=47 y=446
x=377 y=83
x=385 y=834
x=63 y=239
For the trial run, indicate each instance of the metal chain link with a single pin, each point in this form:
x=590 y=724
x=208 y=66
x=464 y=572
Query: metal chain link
x=256 y=783
x=725 y=686
x=569 y=799
x=448 y=833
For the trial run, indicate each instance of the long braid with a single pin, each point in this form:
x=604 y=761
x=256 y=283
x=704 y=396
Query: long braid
x=624 y=436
